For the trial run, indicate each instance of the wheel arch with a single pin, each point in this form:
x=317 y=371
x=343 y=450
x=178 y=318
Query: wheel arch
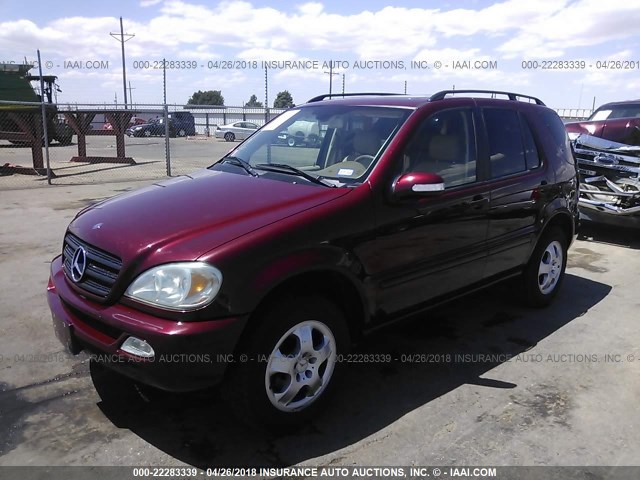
x=563 y=220
x=330 y=283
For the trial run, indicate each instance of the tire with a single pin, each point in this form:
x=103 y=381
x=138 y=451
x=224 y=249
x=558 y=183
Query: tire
x=262 y=390
x=545 y=271
x=291 y=141
x=147 y=133
x=182 y=133
x=313 y=140
x=65 y=141
x=229 y=137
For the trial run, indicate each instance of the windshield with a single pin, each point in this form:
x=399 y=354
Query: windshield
x=336 y=142
x=616 y=111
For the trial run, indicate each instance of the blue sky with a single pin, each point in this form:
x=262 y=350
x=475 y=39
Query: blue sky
x=505 y=33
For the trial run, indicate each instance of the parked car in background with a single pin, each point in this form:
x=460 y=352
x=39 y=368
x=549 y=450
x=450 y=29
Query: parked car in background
x=616 y=121
x=183 y=123
x=235 y=131
x=132 y=123
x=153 y=128
x=263 y=269
x=301 y=133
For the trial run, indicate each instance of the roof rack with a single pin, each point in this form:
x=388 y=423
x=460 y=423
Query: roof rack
x=510 y=95
x=331 y=95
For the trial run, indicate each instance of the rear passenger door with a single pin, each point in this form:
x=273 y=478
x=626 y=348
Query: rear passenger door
x=518 y=177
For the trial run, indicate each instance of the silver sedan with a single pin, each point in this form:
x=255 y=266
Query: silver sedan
x=235 y=131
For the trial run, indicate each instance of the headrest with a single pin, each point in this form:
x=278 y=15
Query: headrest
x=366 y=143
x=445 y=148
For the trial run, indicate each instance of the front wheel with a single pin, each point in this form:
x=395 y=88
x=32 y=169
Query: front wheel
x=292 y=362
x=545 y=271
x=229 y=137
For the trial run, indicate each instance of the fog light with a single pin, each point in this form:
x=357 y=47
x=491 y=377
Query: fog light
x=138 y=347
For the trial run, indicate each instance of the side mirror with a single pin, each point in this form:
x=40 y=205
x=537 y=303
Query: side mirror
x=418 y=184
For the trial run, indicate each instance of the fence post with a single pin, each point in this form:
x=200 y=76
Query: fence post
x=44 y=120
x=167 y=147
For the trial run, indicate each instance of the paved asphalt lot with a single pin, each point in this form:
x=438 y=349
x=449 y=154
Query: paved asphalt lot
x=547 y=396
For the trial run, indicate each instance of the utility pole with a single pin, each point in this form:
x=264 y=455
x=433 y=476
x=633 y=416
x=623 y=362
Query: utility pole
x=130 y=95
x=266 y=96
x=167 y=147
x=331 y=74
x=124 y=70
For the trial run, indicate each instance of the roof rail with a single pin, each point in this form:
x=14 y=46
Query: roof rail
x=510 y=95
x=331 y=95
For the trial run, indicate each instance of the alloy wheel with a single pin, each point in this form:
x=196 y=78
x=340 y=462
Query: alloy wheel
x=550 y=267
x=300 y=366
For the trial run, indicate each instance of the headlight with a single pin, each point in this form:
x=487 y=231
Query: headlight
x=177 y=286
x=573 y=135
x=137 y=128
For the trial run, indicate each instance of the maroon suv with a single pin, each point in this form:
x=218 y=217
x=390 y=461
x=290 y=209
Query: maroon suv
x=264 y=268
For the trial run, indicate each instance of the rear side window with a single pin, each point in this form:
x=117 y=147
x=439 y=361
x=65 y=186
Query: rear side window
x=506 y=149
x=530 y=150
x=558 y=133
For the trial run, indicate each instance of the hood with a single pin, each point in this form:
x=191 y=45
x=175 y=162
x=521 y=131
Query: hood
x=589 y=127
x=185 y=217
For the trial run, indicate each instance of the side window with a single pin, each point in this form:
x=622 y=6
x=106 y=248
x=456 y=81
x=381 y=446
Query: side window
x=530 y=150
x=506 y=151
x=445 y=143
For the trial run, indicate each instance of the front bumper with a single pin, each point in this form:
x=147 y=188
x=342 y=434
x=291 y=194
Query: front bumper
x=188 y=355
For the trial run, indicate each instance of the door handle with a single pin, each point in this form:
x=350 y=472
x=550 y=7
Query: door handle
x=478 y=200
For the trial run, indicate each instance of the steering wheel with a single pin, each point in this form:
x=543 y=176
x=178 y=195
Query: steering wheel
x=364 y=160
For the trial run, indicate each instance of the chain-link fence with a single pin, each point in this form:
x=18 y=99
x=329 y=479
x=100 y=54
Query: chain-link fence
x=91 y=143
x=87 y=143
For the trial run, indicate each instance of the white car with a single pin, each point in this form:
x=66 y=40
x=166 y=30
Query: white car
x=235 y=131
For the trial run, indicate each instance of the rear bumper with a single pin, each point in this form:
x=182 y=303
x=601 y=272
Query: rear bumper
x=188 y=355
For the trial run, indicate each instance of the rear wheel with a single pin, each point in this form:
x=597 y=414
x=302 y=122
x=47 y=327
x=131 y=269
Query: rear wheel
x=292 y=360
x=182 y=132
x=545 y=271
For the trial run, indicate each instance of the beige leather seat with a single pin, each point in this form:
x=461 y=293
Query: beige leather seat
x=364 y=143
x=443 y=152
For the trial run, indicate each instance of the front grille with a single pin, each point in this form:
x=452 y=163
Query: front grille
x=101 y=270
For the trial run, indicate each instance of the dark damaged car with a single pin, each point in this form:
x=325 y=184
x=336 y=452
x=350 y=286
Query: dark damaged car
x=616 y=121
x=609 y=181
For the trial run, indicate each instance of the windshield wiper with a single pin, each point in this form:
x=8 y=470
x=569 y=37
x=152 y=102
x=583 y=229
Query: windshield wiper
x=284 y=168
x=238 y=162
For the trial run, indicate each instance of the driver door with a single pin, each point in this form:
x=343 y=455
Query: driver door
x=429 y=246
